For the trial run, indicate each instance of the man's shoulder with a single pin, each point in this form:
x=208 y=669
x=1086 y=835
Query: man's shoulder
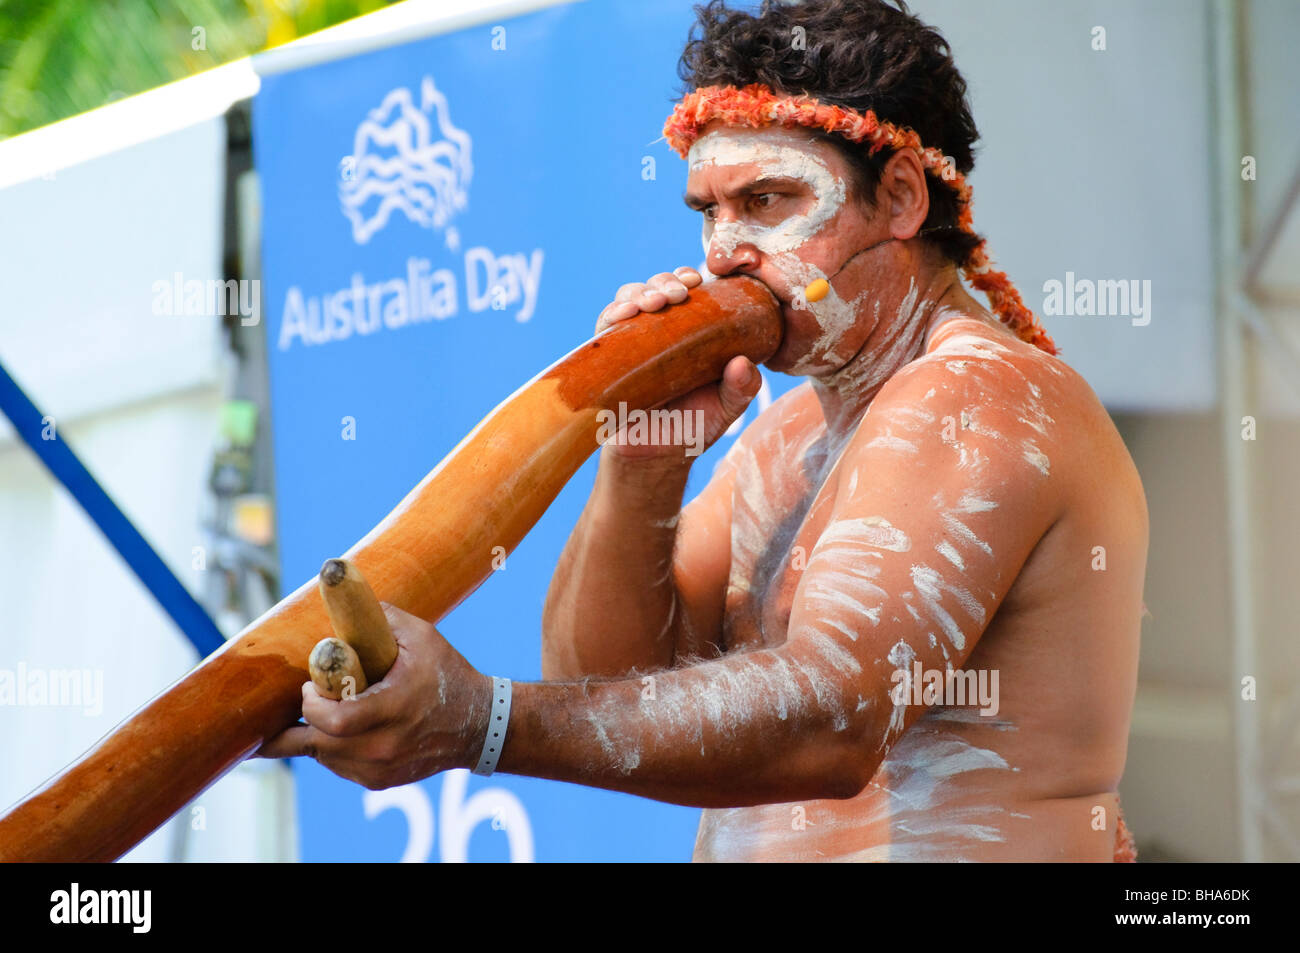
x=971 y=363
x=980 y=407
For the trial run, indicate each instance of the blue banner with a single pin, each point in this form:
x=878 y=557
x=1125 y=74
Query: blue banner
x=441 y=220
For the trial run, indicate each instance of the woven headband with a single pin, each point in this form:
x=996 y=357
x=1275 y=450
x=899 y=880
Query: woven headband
x=756 y=105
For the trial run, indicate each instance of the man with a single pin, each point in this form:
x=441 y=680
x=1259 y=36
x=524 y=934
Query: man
x=941 y=496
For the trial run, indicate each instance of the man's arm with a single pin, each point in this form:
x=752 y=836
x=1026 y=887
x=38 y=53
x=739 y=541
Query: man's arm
x=615 y=604
x=942 y=497
x=641 y=581
x=944 y=492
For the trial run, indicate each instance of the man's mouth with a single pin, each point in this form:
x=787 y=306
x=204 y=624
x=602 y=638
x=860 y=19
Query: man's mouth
x=786 y=297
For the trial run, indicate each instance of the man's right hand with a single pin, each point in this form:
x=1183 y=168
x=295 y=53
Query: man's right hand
x=722 y=401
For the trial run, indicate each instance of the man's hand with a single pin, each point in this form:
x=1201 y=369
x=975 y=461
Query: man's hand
x=722 y=402
x=428 y=714
x=665 y=288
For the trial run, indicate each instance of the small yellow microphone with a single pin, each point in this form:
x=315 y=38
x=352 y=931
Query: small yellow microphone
x=817 y=290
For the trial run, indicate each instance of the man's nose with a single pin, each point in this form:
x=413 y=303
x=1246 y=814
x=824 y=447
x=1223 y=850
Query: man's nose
x=730 y=250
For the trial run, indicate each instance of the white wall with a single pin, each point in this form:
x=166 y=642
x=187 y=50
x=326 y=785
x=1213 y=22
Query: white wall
x=1103 y=162
x=137 y=396
x=1097 y=163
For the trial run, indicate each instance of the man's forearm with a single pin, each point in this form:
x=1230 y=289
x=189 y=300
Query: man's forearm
x=769 y=726
x=613 y=596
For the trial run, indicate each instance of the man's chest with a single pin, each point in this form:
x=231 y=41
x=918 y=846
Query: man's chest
x=784 y=493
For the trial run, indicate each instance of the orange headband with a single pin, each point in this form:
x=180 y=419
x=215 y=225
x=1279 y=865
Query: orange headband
x=756 y=105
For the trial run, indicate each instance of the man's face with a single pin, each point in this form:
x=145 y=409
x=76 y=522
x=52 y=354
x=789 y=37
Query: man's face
x=778 y=206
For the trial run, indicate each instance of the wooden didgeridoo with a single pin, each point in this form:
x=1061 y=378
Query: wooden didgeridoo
x=427 y=555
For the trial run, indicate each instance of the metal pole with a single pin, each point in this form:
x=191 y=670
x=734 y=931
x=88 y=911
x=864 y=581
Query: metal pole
x=1234 y=402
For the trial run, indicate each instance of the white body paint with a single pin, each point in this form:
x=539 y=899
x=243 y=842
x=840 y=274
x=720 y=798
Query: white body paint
x=919 y=808
x=921 y=797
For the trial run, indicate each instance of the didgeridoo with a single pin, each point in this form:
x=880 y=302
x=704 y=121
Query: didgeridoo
x=428 y=554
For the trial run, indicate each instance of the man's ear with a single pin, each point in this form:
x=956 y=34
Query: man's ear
x=903 y=186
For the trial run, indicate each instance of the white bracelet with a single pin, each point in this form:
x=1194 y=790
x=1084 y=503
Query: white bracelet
x=498 y=722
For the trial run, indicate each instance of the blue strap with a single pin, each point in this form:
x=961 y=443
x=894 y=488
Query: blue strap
x=58 y=457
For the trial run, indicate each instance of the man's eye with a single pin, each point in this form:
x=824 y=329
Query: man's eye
x=709 y=212
x=765 y=199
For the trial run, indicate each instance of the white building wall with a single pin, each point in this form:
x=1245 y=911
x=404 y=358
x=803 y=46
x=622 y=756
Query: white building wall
x=137 y=395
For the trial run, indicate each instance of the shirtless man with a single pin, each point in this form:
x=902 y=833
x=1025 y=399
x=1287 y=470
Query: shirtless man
x=939 y=493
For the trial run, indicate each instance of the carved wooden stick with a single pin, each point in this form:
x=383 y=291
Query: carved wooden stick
x=362 y=648
x=357 y=617
x=331 y=663
x=431 y=552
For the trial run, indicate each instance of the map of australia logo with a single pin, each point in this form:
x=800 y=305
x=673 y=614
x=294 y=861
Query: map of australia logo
x=399 y=163
x=409 y=160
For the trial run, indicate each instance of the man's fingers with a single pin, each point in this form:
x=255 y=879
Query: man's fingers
x=347 y=717
x=669 y=285
x=629 y=291
x=688 y=276
x=740 y=382
x=614 y=312
x=307 y=741
x=289 y=743
x=303 y=741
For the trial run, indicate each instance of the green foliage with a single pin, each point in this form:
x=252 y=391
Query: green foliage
x=63 y=57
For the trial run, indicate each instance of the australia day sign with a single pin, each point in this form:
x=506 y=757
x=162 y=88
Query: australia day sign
x=433 y=218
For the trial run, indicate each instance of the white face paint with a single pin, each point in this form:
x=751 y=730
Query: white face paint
x=774 y=157
x=780 y=243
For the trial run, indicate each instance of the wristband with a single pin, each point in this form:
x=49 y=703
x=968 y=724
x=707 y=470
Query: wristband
x=498 y=721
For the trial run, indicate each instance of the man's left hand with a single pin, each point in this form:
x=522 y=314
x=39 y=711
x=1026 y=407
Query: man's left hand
x=428 y=714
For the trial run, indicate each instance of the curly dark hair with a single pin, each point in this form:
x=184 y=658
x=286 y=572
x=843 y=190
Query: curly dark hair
x=861 y=54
